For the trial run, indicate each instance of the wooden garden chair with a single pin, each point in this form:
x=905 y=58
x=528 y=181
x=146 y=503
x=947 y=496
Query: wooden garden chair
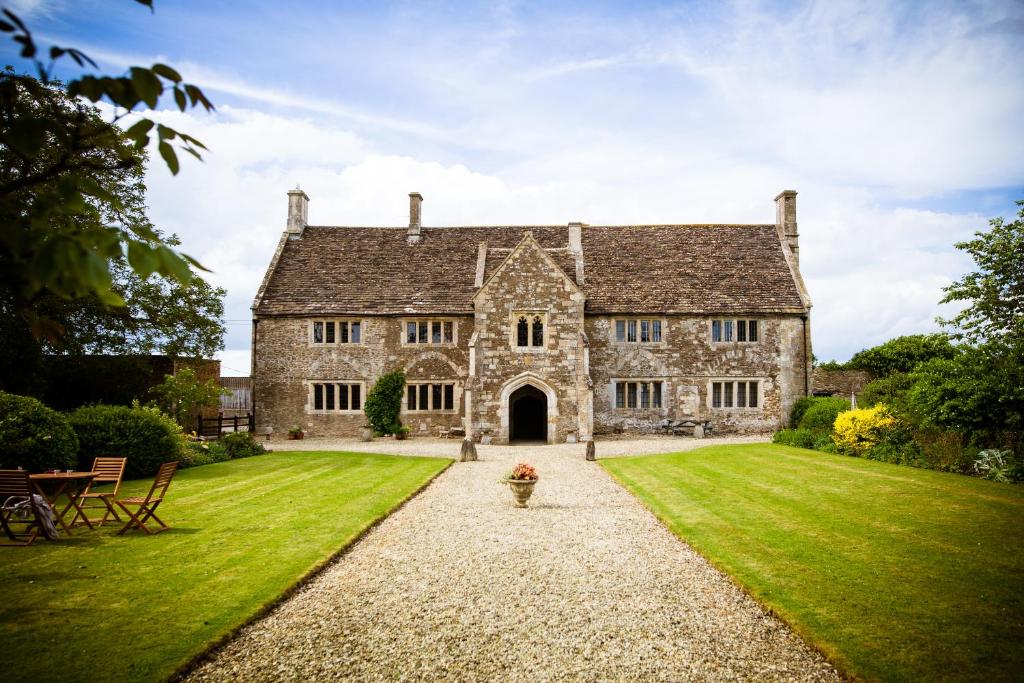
x=109 y=471
x=146 y=507
x=15 y=489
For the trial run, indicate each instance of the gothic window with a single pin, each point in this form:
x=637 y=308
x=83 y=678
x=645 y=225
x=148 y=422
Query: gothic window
x=528 y=330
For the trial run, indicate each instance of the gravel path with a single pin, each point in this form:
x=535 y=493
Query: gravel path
x=585 y=584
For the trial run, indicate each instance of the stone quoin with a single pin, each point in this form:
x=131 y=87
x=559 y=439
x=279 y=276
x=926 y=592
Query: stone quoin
x=552 y=333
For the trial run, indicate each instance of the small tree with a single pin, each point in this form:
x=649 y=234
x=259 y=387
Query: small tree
x=182 y=395
x=383 y=405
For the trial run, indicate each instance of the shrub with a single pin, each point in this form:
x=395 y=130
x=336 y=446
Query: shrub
x=241 y=445
x=888 y=390
x=145 y=436
x=801 y=438
x=796 y=413
x=945 y=450
x=182 y=395
x=902 y=354
x=33 y=436
x=857 y=431
x=383 y=405
x=998 y=464
x=821 y=414
x=198 y=453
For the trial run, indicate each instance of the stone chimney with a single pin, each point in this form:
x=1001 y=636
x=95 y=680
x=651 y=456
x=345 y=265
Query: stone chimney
x=298 y=210
x=415 y=211
x=785 y=223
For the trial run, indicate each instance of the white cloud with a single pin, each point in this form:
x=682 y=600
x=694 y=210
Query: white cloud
x=671 y=116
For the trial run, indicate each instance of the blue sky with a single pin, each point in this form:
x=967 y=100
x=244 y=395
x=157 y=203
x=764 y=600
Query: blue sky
x=898 y=123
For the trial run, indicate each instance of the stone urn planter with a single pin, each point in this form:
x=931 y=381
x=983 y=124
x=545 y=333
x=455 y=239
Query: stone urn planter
x=521 y=481
x=366 y=433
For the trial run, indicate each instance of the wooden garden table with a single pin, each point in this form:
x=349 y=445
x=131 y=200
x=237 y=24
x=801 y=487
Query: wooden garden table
x=52 y=486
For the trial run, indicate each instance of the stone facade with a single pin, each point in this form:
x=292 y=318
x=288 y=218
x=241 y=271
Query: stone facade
x=513 y=336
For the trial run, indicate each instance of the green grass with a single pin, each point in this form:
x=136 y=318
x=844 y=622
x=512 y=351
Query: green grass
x=894 y=573
x=97 y=606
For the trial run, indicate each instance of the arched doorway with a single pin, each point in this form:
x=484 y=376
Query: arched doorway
x=528 y=414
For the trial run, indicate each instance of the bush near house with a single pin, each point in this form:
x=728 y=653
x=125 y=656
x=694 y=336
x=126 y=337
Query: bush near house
x=145 y=436
x=821 y=414
x=858 y=431
x=383 y=405
x=33 y=436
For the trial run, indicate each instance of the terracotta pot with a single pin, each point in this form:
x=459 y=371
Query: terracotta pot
x=296 y=437
x=401 y=436
x=521 y=489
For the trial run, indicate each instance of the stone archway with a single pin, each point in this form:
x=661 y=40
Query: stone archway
x=506 y=402
x=527 y=414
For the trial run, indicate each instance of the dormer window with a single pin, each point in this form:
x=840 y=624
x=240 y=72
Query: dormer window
x=528 y=331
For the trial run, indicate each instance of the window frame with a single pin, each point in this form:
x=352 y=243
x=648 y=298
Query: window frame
x=334 y=324
x=720 y=328
x=627 y=394
x=725 y=390
x=531 y=317
x=634 y=326
x=425 y=387
x=311 y=385
x=425 y=329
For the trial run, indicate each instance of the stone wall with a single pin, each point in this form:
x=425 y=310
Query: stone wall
x=687 y=361
x=840 y=382
x=529 y=281
x=285 y=363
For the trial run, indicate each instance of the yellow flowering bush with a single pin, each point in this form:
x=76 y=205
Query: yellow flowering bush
x=857 y=431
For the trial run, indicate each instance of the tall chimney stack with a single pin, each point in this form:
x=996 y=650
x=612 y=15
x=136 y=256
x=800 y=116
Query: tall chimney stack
x=298 y=210
x=785 y=223
x=415 y=212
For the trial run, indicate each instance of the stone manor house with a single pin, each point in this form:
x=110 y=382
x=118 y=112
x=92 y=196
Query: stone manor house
x=554 y=332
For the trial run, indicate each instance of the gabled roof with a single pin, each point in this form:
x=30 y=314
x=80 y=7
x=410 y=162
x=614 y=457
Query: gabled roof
x=628 y=269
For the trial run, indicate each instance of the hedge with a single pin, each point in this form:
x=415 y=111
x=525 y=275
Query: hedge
x=33 y=436
x=145 y=436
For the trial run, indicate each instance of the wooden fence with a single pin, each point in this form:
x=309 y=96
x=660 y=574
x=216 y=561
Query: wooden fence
x=216 y=426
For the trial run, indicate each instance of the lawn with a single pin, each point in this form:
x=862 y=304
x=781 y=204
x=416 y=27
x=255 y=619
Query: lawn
x=894 y=573
x=97 y=606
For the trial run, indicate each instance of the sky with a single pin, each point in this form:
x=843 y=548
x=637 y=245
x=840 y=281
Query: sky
x=901 y=126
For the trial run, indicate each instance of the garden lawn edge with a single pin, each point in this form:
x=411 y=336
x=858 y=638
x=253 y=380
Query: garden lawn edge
x=841 y=666
x=217 y=643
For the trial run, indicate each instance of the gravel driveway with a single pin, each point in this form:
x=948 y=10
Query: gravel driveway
x=585 y=584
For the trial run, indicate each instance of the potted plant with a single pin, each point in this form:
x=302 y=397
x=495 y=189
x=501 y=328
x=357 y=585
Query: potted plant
x=295 y=433
x=402 y=433
x=521 y=481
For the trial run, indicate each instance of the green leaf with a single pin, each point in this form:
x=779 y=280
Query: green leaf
x=89 y=87
x=173 y=265
x=167 y=152
x=179 y=98
x=166 y=133
x=147 y=86
x=167 y=72
x=142 y=258
x=139 y=132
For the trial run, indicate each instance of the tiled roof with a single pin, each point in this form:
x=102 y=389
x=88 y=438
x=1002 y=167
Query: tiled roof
x=665 y=269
